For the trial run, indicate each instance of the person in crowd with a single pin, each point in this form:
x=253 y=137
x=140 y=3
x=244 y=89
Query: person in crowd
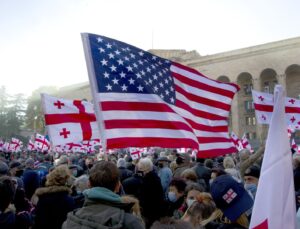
x=123 y=171
x=103 y=208
x=30 y=178
x=16 y=171
x=183 y=162
x=164 y=173
x=136 y=208
x=129 y=163
x=9 y=218
x=232 y=201
x=229 y=167
x=151 y=192
x=215 y=172
x=200 y=210
x=170 y=223
x=251 y=178
x=247 y=159
x=80 y=184
x=54 y=200
x=203 y=173
x=176 y=196
x=3 y=169
x=209 y=163
x=132 y=185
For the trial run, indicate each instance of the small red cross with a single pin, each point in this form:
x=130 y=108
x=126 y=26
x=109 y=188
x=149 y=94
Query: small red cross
x=292 y=101
x=293 y=119
x=261 y=98
x=87 y=144
x=59 y=104
x=229 y=196
x=64 y=132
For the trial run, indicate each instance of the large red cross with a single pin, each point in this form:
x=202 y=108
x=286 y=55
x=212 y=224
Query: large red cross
x=71 y=145
x=43 y=141
x=16 y=143
x=83 y=118
x=64 y=132
x=59 y=104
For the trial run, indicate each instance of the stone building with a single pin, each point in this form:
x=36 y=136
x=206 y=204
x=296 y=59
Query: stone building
x=259 y=67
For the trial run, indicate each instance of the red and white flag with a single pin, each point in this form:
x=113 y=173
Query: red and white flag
x=264 y=102
x=290 y=130
x=69 y=121
x=274 y=206
x=246 y=144
x=15 y=145
x=236 y=141
x=143 y=100
x=41 y=143
x=30 y=146
x=294 y=145
x=135 y=153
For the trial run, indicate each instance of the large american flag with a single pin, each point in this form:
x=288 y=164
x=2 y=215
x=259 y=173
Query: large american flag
x=143 y=100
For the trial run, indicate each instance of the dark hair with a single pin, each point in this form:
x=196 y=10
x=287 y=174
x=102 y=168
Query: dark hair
x=104 y=174
x=7 y=191
x=179 y=184
x=170 y=223
x=209 y=163
x=194 y=186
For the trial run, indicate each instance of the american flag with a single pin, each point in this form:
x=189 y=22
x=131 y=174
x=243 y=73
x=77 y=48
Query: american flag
x=143 y=100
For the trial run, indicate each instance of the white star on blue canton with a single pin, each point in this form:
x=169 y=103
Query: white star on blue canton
x=123 y=75
x=140 y=88
x=108 y=45
x=101 y=50
x=111 y=56
x=131 y=81
x=104 y=62
x=106 y=75
x=115 y=81
x=124 y=87
x=120 y=62
x=109 y=87
x=113 y=68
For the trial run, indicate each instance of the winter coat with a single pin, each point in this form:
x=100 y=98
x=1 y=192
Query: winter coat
x=54 y=202
x=132 y=185
x=31 y=181
x=102 y=209
x=10 y=220
x=203 y=174
x=165 y=175
x=124 y=173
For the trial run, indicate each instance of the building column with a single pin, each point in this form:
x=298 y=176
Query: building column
x=282 y=80
x=235 y=115
x=259 y=127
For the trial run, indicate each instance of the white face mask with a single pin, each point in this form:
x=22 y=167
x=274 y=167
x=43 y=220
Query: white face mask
x=189 y=202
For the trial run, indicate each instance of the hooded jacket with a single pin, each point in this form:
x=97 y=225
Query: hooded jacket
x=102 y=209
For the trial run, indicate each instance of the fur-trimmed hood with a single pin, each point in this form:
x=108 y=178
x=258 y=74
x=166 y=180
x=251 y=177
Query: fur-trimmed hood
x=52 y=189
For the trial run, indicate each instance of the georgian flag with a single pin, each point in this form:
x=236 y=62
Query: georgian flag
x=30 y=146
x=15 y=145
x=264 y=102
x=69 y=121
x=294 y=145
x=246 y=144
x=89 y=145
x=41 y=143
x=135 y=153
x=236 y=141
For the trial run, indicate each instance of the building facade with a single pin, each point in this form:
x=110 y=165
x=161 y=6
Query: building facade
x=259 y=67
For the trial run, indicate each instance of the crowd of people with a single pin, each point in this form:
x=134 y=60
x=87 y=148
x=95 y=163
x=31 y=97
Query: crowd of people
x=158 y=190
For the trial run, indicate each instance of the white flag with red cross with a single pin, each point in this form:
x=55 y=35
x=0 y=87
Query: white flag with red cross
x=246 y=144
x=294 y=145
x=264 y=102
x=15 y=145
x=236 y=141
x=135 y=153
x=69 y=121
x=30 y=146
x=41 y=143
x=89 y=145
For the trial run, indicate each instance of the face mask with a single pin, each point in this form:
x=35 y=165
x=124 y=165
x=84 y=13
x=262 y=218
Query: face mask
x=189 y=202
x=172 y=196
x=160 y=165
x=250 y=187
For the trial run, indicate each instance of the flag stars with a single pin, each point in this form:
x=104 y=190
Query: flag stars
x=120 y=62
x=129 y=68
x=123 y=75
x=161 y=84
x=132 y=55
x=141 y=53
x=141 y=62
x=117 y=52
x=140 y=88
x=155 y=77
x=115 y=81
x=106 y=75
x=135 y=65
x=101 y=50
x=113 y=68
x=108 y=87
x=131 y=81
x=99 y=40
x=172 y=100
x=108 y=45
x=155 y=88
x=124 y=87
x=104 y=62
x=126 y=58
x=111 y=56
x=148 y=69
x=138 y=76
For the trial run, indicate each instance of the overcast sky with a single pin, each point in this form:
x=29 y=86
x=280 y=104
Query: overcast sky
x=40 y=43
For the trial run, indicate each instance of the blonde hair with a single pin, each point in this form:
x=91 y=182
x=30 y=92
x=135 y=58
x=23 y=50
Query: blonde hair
x=228 y=163
x=59 y=176
x=189 y=174
x=218 y=215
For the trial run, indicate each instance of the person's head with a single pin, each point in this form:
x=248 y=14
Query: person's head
x=89 y=162
x=105 y=174
x=121 y=163
x=251 y=175
x=7 y=192
x=14 y=167
x=176 y=189
x=209 y=163
x=145 y=165
x=29 y=163
x=228 y=163
x=81 y=183
x=3 y=168
x=170 y=223
x=189 y=175
x=230 y=197
x=244 y=154
x=200 y=210
x=162 y=162
x=215 y=172
x=59 y=176
x=183 y=158
x=191 y=192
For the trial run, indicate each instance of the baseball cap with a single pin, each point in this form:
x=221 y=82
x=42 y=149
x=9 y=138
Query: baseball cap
x=231 y=197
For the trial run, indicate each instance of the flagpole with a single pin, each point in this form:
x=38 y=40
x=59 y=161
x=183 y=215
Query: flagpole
x=94 y=87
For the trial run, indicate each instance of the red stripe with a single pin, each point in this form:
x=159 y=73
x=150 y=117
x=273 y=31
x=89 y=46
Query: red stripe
x=203 y=140
x=203 y=100
x=215 y=152
x=51 y=119
x=269 y=108
x=144 y=124
x=203 y=86
x=263 y=225
x=115 y=143
x=135 y=106
x=199 y=113
x=200 y=74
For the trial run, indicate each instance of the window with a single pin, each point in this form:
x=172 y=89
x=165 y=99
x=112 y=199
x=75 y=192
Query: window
x=247 y=89
x=251 y=135
x=250 y=121
x=249 y=106
x=266 y=87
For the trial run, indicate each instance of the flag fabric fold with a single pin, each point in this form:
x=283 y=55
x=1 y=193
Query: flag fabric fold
x=274 y=205
x=143 y=100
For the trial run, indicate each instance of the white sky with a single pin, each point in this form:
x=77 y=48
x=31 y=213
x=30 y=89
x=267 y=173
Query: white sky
x=40 y=43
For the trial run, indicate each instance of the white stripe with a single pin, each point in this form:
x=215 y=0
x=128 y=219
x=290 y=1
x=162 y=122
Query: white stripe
x=129 y=97
x=203 y=93
x=215 y=145
x=202 y=79
x=202 y=107
x=211 y=134
x=160 y=133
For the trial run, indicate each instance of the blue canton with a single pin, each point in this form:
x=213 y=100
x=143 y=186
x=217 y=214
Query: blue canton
x=122 y=68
